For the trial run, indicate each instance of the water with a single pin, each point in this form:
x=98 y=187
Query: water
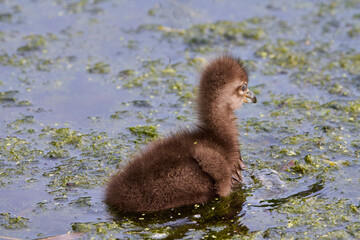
x=75 y=75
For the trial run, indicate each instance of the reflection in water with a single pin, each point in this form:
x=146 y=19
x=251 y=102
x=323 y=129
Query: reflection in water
x=229 y=216
x=224 y=213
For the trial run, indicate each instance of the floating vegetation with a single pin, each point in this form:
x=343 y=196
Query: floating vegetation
x=319 y=216
x=99 y=68
x=144 y=133
x=34 y=43
x=156 y=73
x=8 y=96
x=285 y=53
x=7 y=221
x=201 y=36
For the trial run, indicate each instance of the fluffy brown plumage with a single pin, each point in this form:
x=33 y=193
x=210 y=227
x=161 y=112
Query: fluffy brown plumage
x=192 y=166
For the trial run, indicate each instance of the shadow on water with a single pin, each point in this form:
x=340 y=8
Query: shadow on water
x=224 y=213
x=221 y=218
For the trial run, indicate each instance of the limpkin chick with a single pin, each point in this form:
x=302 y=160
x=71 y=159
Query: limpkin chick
x=191 y=166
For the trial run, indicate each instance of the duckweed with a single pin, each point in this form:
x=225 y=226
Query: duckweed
x=120 y=114
x=201 y=37
x=354 y=32
x=283 y=54
x=15 y=60
x=8 y=221
x=5 y=17
x=313 y=164
x=353 y=108
x=99 y=68
x=18 y=122
x=155 y=74
x=57 y=153
x=181 y=88
x=8 y=96
x=79 y=173
x=319 y=216
x=34 y=43
x=82 y=202
x=99 y=228
x=16 y=149
x=144 y=133
x=209 y=34
x=350 y=63
x=297 y=139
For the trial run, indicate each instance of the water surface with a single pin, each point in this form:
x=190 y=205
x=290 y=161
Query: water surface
x=84 y=84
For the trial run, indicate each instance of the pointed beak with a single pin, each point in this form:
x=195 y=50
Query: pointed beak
x=250 y=97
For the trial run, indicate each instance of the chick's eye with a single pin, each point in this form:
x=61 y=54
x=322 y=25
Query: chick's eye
x=244 y=87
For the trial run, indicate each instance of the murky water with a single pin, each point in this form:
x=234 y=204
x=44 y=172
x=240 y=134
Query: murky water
x=84 y=84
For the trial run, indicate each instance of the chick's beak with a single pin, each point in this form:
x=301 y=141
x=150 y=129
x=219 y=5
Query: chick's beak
x=250 y=97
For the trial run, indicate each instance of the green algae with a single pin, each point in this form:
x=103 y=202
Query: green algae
x=77 y=173
x=202 y=37
x=282 y=54
x=21 y=158
x=76 y=7
x=5 y=17
x=137 y=79
x=355 y=143
x=354 y=32
x=181 y=88
x=153 y=75
x=8 y=221
x=144 y=133
x=24 y=103
x=318 y=216
x=350 y=63
x=15 y=60
x=338 y=89
x=21 y=121
x=126 y=73
x=99 y=68
x=63 y=136
x=84 y=202
x=120 y=114
x=292 y=102
x=209 y=34
x=34 y=43
x=8 y=96
x=73 y=171
x=255 y=124
x=97 y=228
x=353 y=229
x=320 y=145
x=297 y=139
x=314 y=164
x=16 y=149
x=57 y=153
x=353 y=108
x=44 y=65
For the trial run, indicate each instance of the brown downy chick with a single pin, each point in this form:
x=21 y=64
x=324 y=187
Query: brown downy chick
x=191 y=166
